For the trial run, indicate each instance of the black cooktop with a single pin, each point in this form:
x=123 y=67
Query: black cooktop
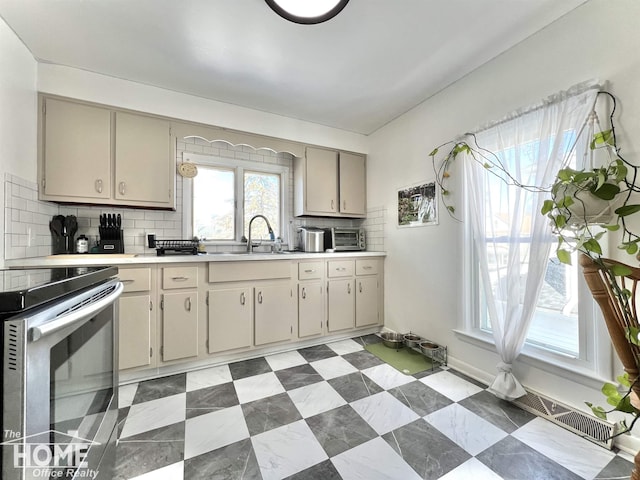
x=22 y=289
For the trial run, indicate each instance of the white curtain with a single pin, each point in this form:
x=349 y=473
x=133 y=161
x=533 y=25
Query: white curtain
x=512 y=239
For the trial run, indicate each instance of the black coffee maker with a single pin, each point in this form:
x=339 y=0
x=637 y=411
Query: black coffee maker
x=63 y=231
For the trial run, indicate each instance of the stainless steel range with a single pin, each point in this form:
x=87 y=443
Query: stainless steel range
x=60 y=376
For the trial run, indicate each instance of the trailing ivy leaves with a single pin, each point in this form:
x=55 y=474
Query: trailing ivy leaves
x=626 y=210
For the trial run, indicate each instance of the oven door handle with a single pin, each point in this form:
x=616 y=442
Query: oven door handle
x=66 y=320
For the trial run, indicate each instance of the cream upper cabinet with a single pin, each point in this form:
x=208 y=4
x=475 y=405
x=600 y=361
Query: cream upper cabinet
x=143 y=145
x=75 y=152
x=329 y=183
x=353 y=192
x=99 y=155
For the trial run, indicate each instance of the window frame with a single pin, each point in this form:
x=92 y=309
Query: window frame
x=239 y=167
x=594 y=361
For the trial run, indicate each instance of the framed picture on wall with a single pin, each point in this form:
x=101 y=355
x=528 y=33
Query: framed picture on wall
x=418 y=205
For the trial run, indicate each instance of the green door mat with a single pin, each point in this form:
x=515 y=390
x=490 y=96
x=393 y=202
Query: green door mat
x=406 y=360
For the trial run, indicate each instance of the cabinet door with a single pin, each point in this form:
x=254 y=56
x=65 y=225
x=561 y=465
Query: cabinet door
x=144 y=169
x=76 y=151
x=366 y=301
x=230 y=319
x=341 y=300
x=136 y=332
x=352 y=184
x=273 y=313
x=310 y=309
x=321 y=180
x=179 y=325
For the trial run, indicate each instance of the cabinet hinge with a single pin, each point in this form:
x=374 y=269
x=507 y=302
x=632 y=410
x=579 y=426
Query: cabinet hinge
x=292 y=329
x=151 y=351
x=162 y=304
x=206 y=343
x=206 y=300
x=169 y=194
x=44 y=108
x=162 y=351
x=44 y=183
x=151 y=305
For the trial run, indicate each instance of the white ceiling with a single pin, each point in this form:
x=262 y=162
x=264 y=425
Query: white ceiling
x=357 y=72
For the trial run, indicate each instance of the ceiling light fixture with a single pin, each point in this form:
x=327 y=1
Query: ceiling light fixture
x=307 y=12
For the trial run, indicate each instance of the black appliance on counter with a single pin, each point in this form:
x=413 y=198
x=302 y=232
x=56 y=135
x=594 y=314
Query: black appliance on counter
x=59 y=334
x=63 y=230
x=111 y=240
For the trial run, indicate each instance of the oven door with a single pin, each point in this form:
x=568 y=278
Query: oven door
x=60 y=402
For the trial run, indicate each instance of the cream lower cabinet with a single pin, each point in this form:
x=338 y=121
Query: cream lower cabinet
x=179 y=313
x=368 y=297
x=274 y=312
x=137 y=319
x=230 y=314
x=341 y=301
x=311 y=299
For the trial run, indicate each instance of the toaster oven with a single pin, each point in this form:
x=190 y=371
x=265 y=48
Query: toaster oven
x=344 y=239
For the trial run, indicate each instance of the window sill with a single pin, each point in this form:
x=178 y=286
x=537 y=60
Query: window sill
x=558 y=364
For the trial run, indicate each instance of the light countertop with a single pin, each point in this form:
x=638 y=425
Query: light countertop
x=97 y=259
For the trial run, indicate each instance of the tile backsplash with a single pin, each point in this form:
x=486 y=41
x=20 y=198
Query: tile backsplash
x=27 y=219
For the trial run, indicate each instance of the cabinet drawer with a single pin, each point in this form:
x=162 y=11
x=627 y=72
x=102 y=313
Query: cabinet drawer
x=135 y=279
x=340 y=268
x=366 y=267
x=248 y=271
x=179 y=277
x=309 y=270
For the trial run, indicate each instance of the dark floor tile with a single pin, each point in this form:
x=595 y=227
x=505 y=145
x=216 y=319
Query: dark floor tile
x=318 y=352
x=368 y=339
x=426 y=373
x=249 y=368
x=269 y=413
x=122 y=417
x=354 y=386
x=362 y=359
x=160 y=387
x=420 y=398
x=233 y=462
x=206 y=400
x=322 y=471
x=429 y=452
x=299 y=376
x=504 y=415
x=340 y=429
x=618 y=469
x=149 y=451
x=514 y=460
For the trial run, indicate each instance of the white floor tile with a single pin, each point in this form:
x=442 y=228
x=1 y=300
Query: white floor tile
x=126 y=394
x=283 y=360
x=287 y=450
x=373 y=460
x=315 y=398
x=474 y=469
x=208 y=377
x=210 y=431
x=342 y=347
x=387 y=377
x=451 y=385
x=384 y=412
x=569 y=450
x=333 y=367
x=175 y=471
x=257 y=387
x=155 y=414
x=465 y=428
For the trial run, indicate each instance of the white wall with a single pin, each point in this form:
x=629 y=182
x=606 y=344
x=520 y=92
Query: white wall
x=599 y=39
x=18 y=113
x=80 y=84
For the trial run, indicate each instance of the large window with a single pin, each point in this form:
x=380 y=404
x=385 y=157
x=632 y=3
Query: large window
x=563 y=322
x=227 y=194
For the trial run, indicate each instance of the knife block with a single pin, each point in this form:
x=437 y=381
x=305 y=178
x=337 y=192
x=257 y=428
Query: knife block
x=112 y=245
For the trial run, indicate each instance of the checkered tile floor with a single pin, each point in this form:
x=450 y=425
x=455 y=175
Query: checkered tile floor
x=337 y=412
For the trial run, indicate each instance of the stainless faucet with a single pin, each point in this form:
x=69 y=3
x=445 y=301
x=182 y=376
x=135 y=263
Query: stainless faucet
x=271 y=234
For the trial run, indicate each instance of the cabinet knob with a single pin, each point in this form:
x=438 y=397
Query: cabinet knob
x=309 y=270
x=179 y=279
x=259 y=297
x=187 y=304
x=344 y=205
x=242 y=299
x=349 y=288
x=333 y=205
x=122 y=188
x=304 y=293
x=360 y=286
x=98 y=185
